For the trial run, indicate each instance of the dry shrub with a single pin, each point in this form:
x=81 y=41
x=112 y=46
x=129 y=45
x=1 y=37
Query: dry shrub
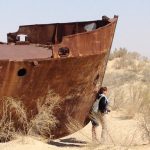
x=129 y=86
x=126 y=62
x=116 y=79
x=123 y=52
x=11 y=107
x=131 y=97
x=45 y=120
x=133 y=69
x=145 y=110
x=118 y=53
x=87 y=142
x=41 y=124
x=144 y=123
x=7 y=129
x=136 y=99
x=146 y=74
x=74 y=126
x=131 y=61
x=117 y=100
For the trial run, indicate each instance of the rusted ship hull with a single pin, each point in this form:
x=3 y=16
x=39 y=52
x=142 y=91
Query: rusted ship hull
x=72 y=77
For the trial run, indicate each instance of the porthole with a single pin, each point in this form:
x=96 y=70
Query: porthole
x=22 y=72
x=63 y=51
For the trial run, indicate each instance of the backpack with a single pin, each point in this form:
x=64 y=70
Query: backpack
x=95 y=107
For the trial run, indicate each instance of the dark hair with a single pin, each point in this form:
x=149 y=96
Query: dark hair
x=102 y=89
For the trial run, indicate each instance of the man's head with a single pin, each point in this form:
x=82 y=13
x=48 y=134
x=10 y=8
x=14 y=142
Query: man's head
x=103 y=90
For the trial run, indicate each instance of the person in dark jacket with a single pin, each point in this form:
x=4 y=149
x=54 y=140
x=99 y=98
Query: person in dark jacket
x=98 y=114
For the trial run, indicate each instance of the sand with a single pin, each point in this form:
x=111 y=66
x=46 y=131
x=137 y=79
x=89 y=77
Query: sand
x=123 y=133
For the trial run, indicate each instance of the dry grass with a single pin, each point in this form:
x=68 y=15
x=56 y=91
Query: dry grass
x=86 y=141
x=144 y=123
x=45 y=120
x=118 y=53
x=146 y=112
x=74 y=126
x=130 y=61
x=129 y=68
x=11 y=108
x=41 y=124
x=146 y=74
x=7 y=129
x=136 y=99
x=130 y=97
x=123 y=52
x=116 y=79
x=129 y=85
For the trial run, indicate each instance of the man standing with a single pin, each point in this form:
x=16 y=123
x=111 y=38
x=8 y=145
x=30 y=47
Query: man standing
x=98 y=113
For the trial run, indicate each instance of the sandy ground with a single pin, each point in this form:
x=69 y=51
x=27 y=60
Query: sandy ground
x=124 y=133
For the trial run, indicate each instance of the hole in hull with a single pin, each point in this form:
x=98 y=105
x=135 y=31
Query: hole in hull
x=22 y=72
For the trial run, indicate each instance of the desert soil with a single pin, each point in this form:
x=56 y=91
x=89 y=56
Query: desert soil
x=124 y=133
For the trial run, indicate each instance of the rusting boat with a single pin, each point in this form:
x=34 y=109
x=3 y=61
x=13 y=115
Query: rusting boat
x=66 y=58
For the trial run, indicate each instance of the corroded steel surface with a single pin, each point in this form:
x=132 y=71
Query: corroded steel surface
x=52 y=33
x=21 y=52
x=72 y=77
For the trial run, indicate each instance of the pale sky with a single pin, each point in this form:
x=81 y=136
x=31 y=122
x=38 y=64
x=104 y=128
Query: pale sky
x=133 y=29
